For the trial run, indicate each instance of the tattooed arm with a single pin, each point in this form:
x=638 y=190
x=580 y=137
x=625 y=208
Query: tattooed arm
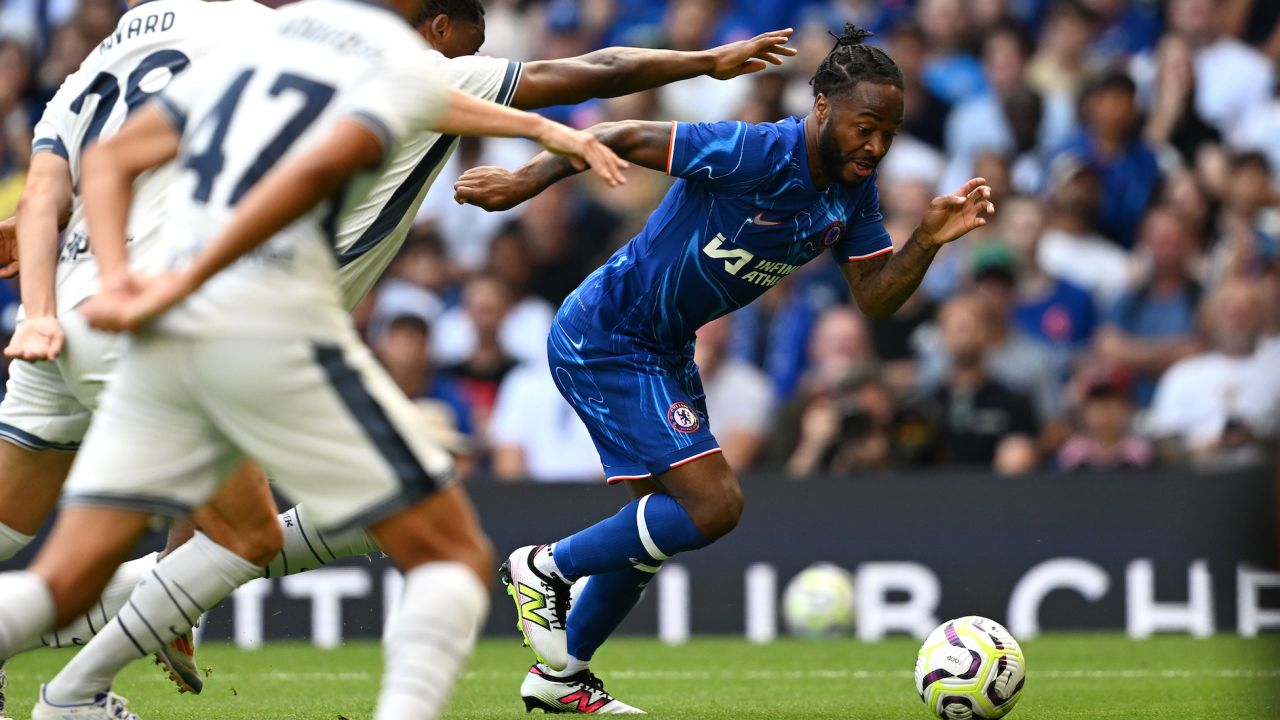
x=881 y=284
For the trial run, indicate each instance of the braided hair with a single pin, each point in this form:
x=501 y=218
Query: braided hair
x=851 y=62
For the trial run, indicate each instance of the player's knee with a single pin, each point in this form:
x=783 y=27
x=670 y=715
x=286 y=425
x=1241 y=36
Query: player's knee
x=718 y=516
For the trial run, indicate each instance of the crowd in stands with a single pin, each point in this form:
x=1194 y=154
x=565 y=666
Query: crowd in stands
x=1122 y=311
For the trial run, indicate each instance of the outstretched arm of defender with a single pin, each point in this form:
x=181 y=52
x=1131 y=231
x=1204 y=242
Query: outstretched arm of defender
x=289 y=191
x=616 y=71
x=641 y=142
x=880 y=285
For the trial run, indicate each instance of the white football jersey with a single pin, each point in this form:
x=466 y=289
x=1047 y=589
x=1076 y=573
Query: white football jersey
x=154 y=41
x=373 y=232
x=313 y=63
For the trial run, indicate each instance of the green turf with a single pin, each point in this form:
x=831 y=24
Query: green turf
x=1069 y=676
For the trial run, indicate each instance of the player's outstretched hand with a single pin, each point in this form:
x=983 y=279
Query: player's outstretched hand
x=951 y=216
x=130 y=306
x=8 y=247
x=584 y=149
x=748 y=56
x=36 y=339
x=491 y=189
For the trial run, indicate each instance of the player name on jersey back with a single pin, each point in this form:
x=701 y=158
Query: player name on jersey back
x=153 y=43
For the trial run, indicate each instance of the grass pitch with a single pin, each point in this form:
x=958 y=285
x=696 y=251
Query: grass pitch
x=1069 y=676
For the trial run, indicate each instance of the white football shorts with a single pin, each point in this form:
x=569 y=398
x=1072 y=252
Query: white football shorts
x=324 y=420
x=48 y=406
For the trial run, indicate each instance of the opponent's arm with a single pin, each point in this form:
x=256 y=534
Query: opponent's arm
x=8 y=247
x=46 y=198
x=641 y=142
x=622 y=70
x=881 y=284
x=147 y=140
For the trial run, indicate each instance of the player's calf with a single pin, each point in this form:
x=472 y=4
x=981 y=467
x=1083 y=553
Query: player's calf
x=448 y=564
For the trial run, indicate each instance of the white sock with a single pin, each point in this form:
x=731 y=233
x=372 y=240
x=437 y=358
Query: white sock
x=306 y=547
x=443 y=607
x=12 y=541
x=545 y=561
x=79 y=631
x=26 y=610
x=573 y=667
x=171 y=598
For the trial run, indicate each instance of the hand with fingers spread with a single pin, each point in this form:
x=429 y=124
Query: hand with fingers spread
x=492 y=189
x=8 y=247
x=952 y=216
x=36 y=339
x=749 y=56
x=584 y=149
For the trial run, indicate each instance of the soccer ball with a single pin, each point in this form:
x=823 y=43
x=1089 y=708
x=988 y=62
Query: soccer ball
x=819 y=602
x=970 y=667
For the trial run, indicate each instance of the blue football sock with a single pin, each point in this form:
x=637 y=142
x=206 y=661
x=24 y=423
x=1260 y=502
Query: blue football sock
x=598 y=611
x=644 y=533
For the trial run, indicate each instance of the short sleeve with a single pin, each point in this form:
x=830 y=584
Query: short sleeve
x=492 y=79
x=403 y=99
x=52 y=131
x=864 y=236
x=736 y=156
x=174 y=102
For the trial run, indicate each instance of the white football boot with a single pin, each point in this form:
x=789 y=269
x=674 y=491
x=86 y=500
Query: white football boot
x=4 y=683
x=178 y=656
x=542 y=605
x=107 y=706
x=578 y=694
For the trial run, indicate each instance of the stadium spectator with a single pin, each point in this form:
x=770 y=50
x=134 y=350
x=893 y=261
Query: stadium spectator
x=849 y=431
x=524 y=327
x=1152 y=325
x=1221 y=407
x=974 y=419
x=1062 y=60
x=535 y=435
x=1105 y=439
x=486 y=302
x=694 y=25
x=1014 y=359
x=838 y=349
x=1110 y=143
x=950 y=70
x=739 y=396
x=1174 y=126
x=1070 y=248
x=1246 y=247
x=1055 y=312
x=926 y=111
x=402 y=346
x=1231 y=77
x=981 y=122
x=1123 y=28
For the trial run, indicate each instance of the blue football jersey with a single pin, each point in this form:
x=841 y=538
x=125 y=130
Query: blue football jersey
x=743 y=215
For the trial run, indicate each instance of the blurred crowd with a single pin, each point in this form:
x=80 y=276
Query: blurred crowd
x=1123 y=310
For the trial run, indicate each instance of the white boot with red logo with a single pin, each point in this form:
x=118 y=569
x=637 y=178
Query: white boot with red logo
x=581 y=694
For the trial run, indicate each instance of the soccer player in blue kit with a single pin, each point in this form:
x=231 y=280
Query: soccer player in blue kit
x=753 y=203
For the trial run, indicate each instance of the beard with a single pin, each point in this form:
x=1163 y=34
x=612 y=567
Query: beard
x=831 y=157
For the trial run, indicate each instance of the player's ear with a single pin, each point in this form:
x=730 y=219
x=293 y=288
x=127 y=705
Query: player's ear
x=439 y=26
x=821 y=107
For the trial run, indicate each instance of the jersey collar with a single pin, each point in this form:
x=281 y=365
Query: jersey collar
x=803 y=151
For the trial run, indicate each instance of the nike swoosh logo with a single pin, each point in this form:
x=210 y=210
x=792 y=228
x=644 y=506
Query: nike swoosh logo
x=759 y=220
x=582 y=340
